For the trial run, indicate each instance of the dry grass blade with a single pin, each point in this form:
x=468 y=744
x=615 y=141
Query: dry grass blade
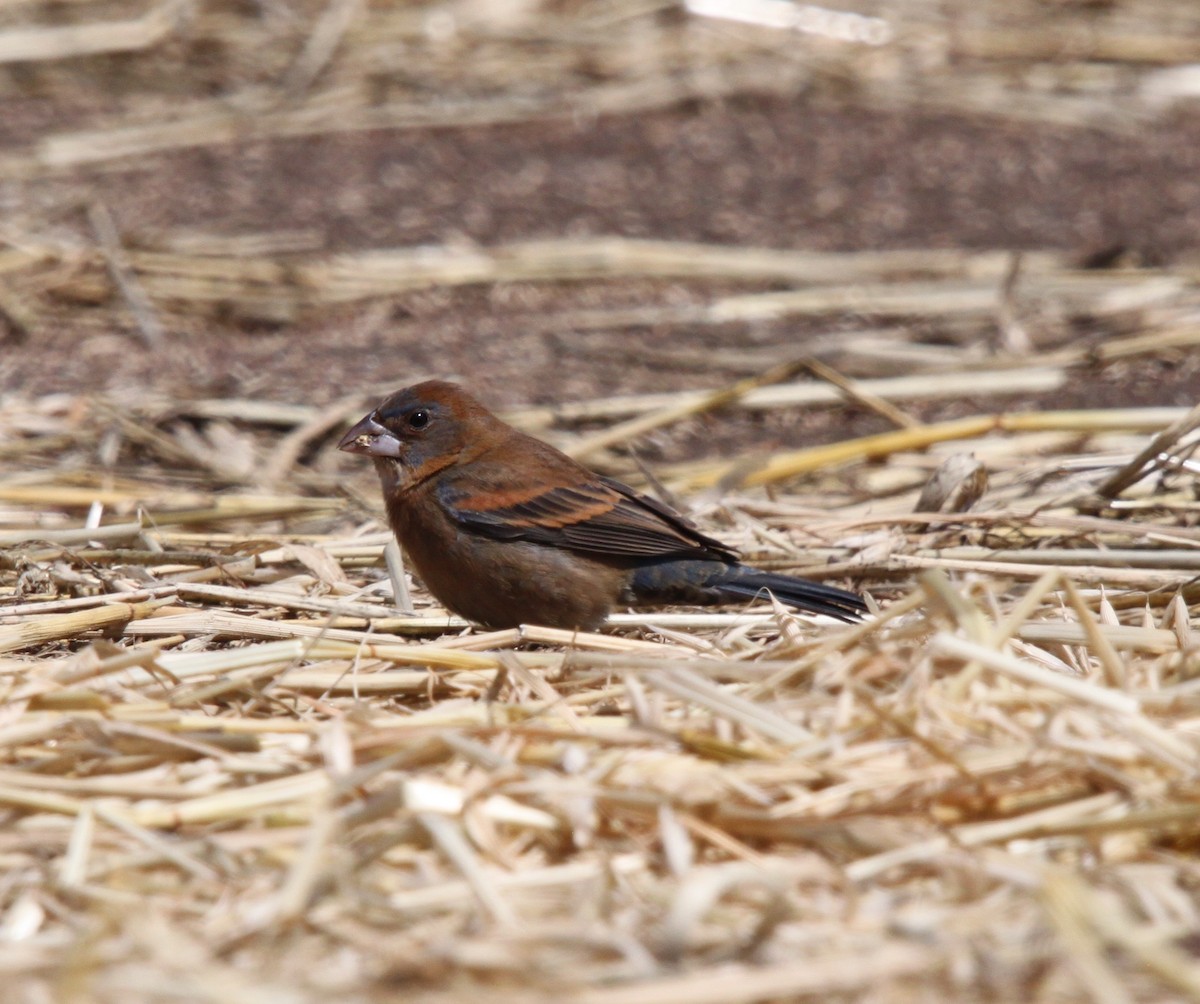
x=782 y=466
x=118 y=266
x=1079 y=690
x=1162 y=442
x=52 y=627
x=796 y=395
x=702 y=693
x=854 y=392
x=33 y=44
x=634 y=427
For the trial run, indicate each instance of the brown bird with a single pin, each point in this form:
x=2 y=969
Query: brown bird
x=505 y=529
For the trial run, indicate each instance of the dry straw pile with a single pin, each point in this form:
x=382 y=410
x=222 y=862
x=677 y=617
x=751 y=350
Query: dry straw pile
x=233 y=768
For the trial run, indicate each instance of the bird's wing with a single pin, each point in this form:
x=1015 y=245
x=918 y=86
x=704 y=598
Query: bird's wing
x=598 y=517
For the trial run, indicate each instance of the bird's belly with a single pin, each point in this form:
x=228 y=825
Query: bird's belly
x=505 y=583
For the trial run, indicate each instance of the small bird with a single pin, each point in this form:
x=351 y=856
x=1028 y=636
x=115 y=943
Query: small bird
x=504 y=529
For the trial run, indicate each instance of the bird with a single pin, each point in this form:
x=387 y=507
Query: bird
x=504 y=529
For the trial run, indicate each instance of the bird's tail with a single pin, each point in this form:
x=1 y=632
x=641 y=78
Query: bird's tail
x=699 y=581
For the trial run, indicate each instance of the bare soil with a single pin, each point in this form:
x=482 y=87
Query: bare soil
x=774 y=172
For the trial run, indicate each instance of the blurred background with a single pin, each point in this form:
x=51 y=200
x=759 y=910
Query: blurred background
x=312 y=202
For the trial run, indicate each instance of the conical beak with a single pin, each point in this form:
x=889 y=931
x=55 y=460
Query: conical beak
x=370 y=438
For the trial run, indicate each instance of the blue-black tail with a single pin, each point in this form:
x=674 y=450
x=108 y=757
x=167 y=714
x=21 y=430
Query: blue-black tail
x=700 y=581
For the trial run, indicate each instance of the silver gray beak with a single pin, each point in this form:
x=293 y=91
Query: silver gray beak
x=371 y=439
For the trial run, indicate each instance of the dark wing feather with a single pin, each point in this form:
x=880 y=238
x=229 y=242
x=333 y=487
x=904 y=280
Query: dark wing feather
x=600 y=518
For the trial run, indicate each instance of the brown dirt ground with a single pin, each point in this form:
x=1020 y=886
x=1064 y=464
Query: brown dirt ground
x=755 y=171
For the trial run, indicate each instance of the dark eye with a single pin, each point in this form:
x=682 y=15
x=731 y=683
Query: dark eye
x=418 y=419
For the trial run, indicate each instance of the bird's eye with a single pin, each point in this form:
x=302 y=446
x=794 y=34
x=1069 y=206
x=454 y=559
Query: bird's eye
x=418 y=419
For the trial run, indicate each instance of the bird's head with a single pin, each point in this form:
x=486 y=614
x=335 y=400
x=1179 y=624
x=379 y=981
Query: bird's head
x=420 y=430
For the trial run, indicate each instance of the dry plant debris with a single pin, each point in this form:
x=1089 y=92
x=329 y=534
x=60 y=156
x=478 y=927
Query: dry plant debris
x=233 y=770
x=313 y=68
